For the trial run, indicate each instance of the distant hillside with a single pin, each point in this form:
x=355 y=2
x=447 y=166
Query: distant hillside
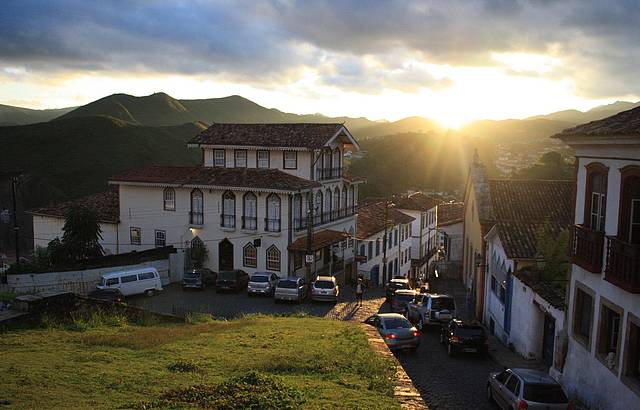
x=10 y=115
x=161 y=109
x=409 y=124
x=514 y=129
x=579 y=117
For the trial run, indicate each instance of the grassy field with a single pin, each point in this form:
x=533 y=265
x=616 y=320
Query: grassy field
x=261 y=361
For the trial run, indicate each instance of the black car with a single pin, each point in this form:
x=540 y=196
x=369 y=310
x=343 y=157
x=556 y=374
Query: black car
x=198 y=278
x=235 y=280
x=463 y=337
x=111 y=295
x=395 y=284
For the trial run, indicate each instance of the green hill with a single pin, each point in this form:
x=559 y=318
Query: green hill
x=597 y=113
x=160 y=109
x=409 y=124
x=10 y=115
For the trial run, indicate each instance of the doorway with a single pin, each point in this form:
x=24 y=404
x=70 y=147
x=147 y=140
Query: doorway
x=548 y=339
x=225 y=255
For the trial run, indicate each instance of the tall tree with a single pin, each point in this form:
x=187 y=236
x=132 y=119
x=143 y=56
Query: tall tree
x=550 y=166
x=82 y=234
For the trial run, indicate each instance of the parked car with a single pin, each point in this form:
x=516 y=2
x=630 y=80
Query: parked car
x=526 y=389
x=396 y=330
x=395 y=284
x=199 y=278
x=263 y=283
x=235 y=280
x=291 y=288
x=107 y=295
x=459 y=336
x=133 y=281
x=401 y=299
x=325 y=288
x=427 y=309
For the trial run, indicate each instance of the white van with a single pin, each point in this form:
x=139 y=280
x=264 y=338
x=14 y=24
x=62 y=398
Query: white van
x=132 y=282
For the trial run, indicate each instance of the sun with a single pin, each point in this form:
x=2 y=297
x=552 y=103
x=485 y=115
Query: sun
x=454 y=121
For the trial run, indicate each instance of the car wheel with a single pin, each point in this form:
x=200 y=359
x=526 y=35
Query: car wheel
x=489 y=393
x=450 y=350
x=149 y=292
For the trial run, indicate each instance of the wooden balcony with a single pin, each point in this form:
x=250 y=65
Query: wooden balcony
x=587 y=248
x=623 y=264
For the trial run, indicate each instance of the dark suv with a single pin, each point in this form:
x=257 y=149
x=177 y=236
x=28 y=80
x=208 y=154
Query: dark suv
x=235 y=280
x=395 y=284
x=463 y=337
x=198 y=279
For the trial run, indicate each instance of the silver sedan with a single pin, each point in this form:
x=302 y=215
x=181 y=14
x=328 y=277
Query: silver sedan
x=396 y=330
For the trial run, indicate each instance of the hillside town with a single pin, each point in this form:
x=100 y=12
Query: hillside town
x=546 y=269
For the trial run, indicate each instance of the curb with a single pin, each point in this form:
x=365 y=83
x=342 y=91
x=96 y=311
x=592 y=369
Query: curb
x=404 y=391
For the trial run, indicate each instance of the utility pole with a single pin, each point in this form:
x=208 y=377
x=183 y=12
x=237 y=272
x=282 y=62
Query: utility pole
x=384 y=243
x=16 y=227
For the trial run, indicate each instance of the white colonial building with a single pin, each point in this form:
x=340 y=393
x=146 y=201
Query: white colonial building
x=372 y=249
x=424 y=234
x=251 y=202
x=603 y=318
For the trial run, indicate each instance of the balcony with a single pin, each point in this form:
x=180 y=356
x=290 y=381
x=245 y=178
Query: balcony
x=271 y=225
x=227 y=221
x=196 y=219
x=623 y=264
x=300 y=224
x=250 y=223
x=323 y=174
x=587 y=248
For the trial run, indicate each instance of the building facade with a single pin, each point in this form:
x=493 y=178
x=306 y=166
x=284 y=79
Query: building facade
x=602 y=366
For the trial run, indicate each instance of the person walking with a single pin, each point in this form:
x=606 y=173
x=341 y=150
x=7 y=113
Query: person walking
x=359 y=292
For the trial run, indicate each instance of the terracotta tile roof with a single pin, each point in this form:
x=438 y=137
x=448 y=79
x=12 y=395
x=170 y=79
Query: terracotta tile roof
x=320 y=239
x=216 y=177
x=625 y=123
x=105 y=204
x=371 y=219
x=450 y=213
x=522 y=207
x=417 y=202
x=299 y=135
x=532 y=277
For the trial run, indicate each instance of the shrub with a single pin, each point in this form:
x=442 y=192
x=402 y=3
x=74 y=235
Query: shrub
x=182 y=366
x=198 y=317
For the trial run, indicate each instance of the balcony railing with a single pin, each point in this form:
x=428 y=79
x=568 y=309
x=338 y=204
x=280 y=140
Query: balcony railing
x=250 y=222
x=326 y=217
x=623 y=264
x=271 y=225
x=328 y=173
x=227 y=221
x=196 y=218
x=587 y=247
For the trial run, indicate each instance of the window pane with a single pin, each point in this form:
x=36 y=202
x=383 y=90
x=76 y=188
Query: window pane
x=263 y=159
x=218 y=158
x=241 y=158
x=129 y=278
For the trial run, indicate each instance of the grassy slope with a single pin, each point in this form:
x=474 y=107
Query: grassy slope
x=329 y=362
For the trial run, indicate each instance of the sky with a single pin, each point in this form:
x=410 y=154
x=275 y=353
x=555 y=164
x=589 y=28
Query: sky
x=452 y=61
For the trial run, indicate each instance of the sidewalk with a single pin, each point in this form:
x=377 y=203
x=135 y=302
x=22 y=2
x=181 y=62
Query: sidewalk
x=500 y=353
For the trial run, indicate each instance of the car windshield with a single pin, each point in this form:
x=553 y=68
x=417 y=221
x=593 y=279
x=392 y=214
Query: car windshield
x=443 y=303
x=288 y=284
x=324 y=284
x=404 y=298
x=228 y=275
x=544 y=393
x=397 y=323
x=469 y=331
x=399 y=285
x=259 y=278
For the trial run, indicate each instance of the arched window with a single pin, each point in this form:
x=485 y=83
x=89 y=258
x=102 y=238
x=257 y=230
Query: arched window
x=350 y=240
x=352 y=198
x=272 y=222
x=327 y=204
x=377 y=246
x=250 y=256
x=327 y=163
x=336 y=203
x=196 y=216
x=362 y=250
x=228 y=218
x=596 y=196
x=250 y=211
x=298 y=222
x=273 y=258
x=169 y=199
x=319 y=207
x=344 y=200
x=336 y=163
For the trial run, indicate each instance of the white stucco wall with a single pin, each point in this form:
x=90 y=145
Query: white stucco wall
x=393 y=253
x=48 y=228
x=455 y=234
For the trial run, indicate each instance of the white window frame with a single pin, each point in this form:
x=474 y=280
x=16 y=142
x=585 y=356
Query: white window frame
x=238 y=161
x=217 y=161
x=169 y=201
x=290 y=163
x=134 y=240
x=160 y=238
x=273 y=257
x=250 y=261
x=258 y=159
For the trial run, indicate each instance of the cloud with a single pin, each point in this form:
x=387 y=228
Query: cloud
x=347 y=43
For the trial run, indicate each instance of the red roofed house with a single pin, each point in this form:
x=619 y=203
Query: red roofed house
x=257 y=181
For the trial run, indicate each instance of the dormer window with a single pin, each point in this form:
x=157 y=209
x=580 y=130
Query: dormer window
x=262 y=159
x=290 y=160
x=218 y=158
x=240 y=158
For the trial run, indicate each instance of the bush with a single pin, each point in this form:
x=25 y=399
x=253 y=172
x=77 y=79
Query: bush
x=198 y=317
x=182 y=366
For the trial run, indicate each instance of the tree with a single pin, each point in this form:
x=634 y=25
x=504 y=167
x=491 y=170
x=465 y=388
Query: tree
x=551 y=165
x=199 y=252
x=552 y=249
x=80 y=240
